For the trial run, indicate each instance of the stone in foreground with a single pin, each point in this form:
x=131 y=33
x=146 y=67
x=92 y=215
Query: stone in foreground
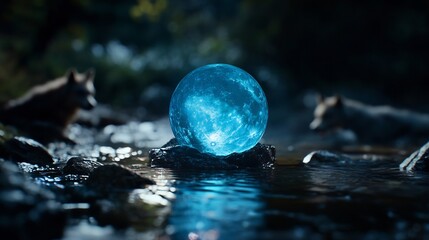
x=176 y=156
x=116 y=177
x=21 y=149
x=27 y=211
x=80 y=166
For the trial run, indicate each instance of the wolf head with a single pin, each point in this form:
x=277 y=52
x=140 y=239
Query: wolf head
x=81 y=89
x=328 y=114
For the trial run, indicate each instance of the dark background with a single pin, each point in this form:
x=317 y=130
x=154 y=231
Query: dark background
x=374 y=51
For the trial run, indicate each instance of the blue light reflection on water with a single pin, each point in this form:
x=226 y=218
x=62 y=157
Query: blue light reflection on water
x=207 y=203
x=361 y=199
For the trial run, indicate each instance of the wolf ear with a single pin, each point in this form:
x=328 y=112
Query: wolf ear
x=338 y=101
x=89 y=74
x=71 y=76
x=320 y=98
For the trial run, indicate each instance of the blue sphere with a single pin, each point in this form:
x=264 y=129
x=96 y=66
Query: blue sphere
x=218 y=109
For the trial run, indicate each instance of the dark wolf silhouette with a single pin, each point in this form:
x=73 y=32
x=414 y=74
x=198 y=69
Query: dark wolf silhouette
x=371 y=124
x=45 y=111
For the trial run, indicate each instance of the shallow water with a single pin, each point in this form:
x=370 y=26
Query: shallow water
x=365 y=197
x=361 y=199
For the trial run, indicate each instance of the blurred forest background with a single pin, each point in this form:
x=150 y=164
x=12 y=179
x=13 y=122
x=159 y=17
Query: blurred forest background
x=375 y=51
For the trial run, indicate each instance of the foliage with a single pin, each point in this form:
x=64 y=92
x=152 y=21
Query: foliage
x=293 y=45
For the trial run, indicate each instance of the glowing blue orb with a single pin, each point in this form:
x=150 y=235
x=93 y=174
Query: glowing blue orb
x=218 y=109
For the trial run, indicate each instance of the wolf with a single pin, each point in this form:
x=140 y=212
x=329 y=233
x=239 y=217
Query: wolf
x=45 y=111
x=370 y=124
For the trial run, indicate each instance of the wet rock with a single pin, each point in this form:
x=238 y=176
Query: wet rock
x=80 y=166
x=116 y=177
x=418 y=160
x=172 y=142
x=175 y=156
x=324 y=156
x=107 y=212
x=122 y=212
x=26 y=210
x=21 y=149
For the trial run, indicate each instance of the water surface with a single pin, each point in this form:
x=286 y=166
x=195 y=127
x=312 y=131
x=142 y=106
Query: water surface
x=361 y=199
x=365 y=197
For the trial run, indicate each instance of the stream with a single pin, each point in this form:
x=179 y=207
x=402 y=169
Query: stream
x=365 y=196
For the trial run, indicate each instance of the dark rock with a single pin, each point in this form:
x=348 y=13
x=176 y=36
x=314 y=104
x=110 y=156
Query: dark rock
x=21 y=149
x=107 y=212
x=172 y=142
x=175 y=156
x=80 y=166
x=26 y=210
x=418 y=160
x=113 y=176
x=133 y=209
x=324 y=156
